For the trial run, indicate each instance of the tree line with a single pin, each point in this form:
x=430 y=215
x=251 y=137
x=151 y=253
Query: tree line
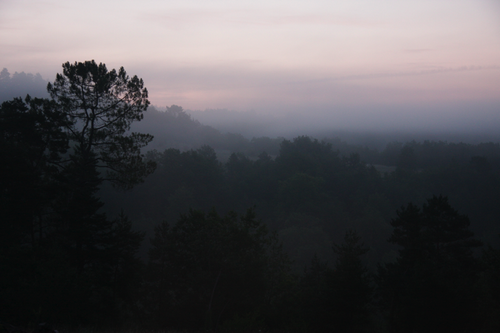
x=296 y=236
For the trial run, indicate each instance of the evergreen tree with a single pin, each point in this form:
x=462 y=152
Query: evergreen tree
x=315 y=296
x=31 y=141
x=350 y=286
x=429 y=287
x=31 y=144
x=336 y=300
x=489 y=288
x=65 y=257
x=101 y=105
x=207 y=269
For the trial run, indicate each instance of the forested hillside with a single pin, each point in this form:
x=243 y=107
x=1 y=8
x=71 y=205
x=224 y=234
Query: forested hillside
x=312 y=194
x=107 y=228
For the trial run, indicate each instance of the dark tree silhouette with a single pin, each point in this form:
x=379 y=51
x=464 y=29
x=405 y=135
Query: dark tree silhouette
x=336 y=300
x=429 y=287
x=31 y=141
x=206 y=269
x=489 y=305
x=350 y=285
x=102 y=105
x=64 y=256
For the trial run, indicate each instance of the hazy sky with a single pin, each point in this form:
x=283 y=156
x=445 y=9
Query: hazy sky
x=363 y=58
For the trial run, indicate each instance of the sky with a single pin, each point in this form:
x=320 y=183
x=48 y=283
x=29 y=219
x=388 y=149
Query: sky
x=394 y=63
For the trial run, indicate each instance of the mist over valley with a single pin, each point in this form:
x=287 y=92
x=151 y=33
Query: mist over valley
x=250 y=166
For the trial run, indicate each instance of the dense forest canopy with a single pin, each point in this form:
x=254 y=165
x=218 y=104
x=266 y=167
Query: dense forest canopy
x=198 y=229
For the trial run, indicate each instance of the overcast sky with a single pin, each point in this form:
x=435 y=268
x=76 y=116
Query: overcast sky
x=370 y=59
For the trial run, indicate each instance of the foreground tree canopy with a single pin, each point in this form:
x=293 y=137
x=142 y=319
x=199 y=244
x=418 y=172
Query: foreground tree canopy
x=52 y=224
x=101 y=105
x=206 y=269
x=430 y=287
x=32 y=141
